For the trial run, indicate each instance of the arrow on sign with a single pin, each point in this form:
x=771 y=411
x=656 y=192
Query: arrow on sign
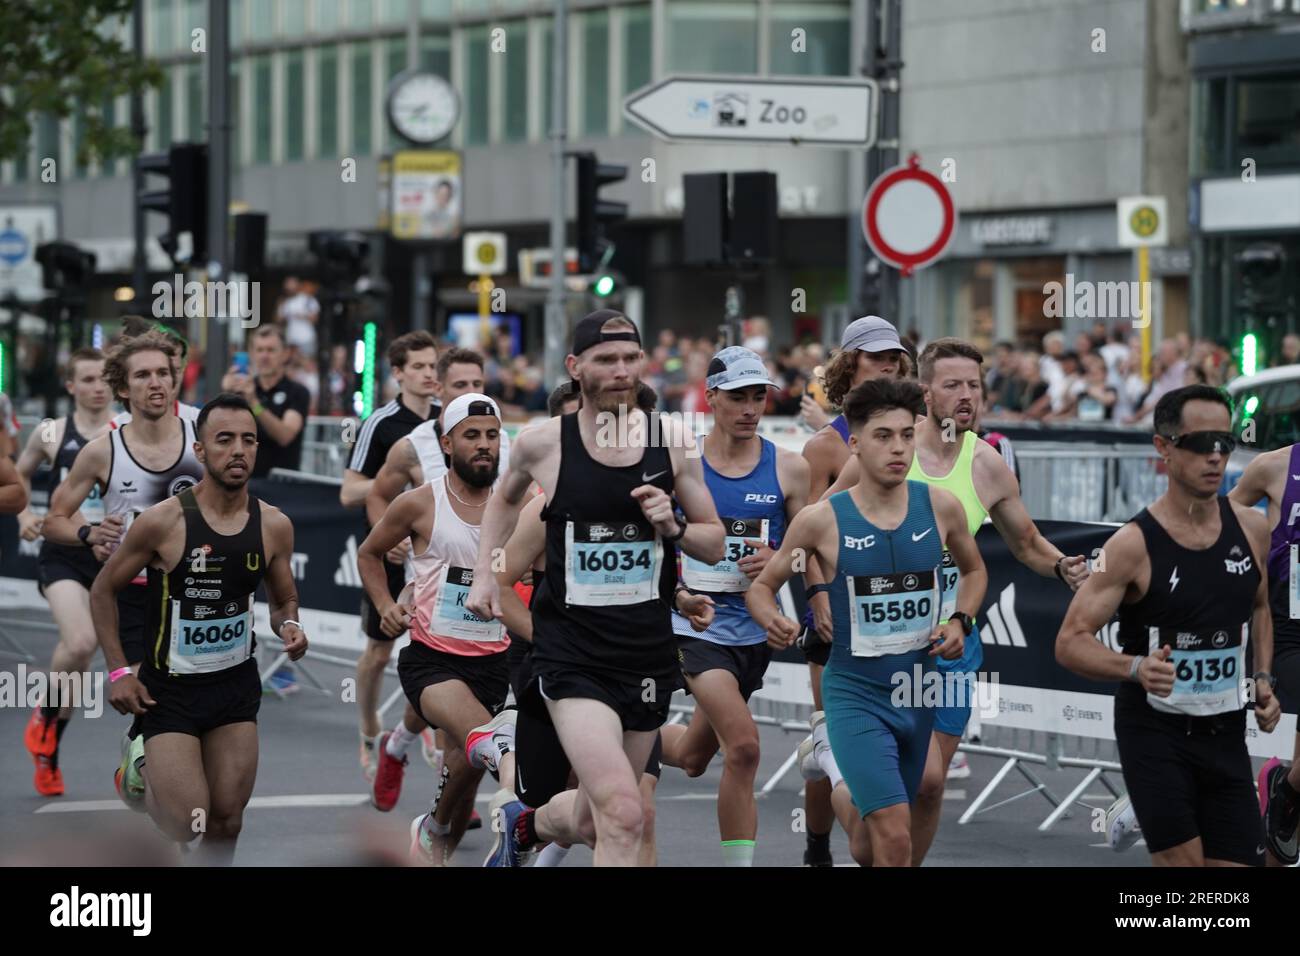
x=817 y=112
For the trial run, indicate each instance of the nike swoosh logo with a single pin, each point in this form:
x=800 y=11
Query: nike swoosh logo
x=519 y=779
x=645 y=477
x=1260 y=851
x=1296 y=477
x=918 y=537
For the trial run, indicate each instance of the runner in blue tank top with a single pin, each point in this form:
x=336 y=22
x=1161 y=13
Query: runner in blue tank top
x=881 y=543
x=755 y=487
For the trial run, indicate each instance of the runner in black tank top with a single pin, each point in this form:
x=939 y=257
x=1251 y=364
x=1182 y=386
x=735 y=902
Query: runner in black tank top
x=206 y=551
x=1193 y=611
x=58 y=562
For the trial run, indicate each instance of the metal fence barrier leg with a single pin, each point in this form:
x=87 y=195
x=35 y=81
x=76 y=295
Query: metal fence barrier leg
x=393 y=698
x=19 y=652
x=987 y=792
x=780 y=773
x=265 y=676
x=1069 y=800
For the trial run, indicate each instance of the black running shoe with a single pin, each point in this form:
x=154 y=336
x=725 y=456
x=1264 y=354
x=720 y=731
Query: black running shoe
x=818 y=852
x=1280 y=822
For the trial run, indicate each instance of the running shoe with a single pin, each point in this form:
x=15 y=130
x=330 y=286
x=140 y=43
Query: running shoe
x=49 y=778
x=817 y=855
x=421 y=853
x=429 y=747
x=475 y=821
x=387 y=786
x=129 y=777
x=505 y=813
x=501 y=729
x=813 y=744
x=41 y=736
x=959 y=769
x=1261 y=784
x=368 y=761
x=1122 y=829
x=1280 y=822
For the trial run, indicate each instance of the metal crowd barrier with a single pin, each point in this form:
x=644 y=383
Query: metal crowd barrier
x=1088 y=482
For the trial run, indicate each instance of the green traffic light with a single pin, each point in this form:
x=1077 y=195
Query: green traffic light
x=1249 y=353
x=604 y=285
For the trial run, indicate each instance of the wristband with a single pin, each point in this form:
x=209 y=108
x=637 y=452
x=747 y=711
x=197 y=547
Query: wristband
x=1057 y=569
x=676 y=595
x=1133 y=671
x=258 y=408
x=120 y=672
x=1265 y=676
x=294 y=623
x=814 y=590
x=681 y=531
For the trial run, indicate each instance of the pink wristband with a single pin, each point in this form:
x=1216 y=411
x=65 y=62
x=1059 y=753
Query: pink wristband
x=120 y=672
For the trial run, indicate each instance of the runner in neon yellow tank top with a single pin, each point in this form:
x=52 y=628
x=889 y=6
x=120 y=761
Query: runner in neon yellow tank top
x=947 y=446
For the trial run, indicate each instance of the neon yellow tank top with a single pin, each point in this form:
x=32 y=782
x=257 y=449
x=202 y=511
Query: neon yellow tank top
x=959 y=481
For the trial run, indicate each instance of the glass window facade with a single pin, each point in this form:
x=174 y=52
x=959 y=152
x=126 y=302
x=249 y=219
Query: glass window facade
x=196 y=103
x=362 y=105
x=295 y=105
x=595 y=73
x=262 y=108
x=435 y=53
x=515 y=127
x=327 y=102
x=163 y=112
x=712 y=37
x=475 y=105
x=325 y=16
x=821 y=49
x=261 y=20
x=1267 y=114
x=361 y=14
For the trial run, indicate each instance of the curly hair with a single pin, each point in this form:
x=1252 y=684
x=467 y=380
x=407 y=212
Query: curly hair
x=115 y=364
x=838 y=377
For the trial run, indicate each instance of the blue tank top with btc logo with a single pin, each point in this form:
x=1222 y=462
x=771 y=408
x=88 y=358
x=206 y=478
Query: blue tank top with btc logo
x=752 y=508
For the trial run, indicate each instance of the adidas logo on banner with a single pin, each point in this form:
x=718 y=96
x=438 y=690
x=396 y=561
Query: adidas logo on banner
x=347 y=575
x=1001 y=625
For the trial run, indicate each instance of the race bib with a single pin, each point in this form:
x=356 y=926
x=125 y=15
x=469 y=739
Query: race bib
x=726 y=576
x=450 y=617
x=1293 y=582
x=92 y=509
x=1207 y=670
x=206 y=638
x=892 y=613
x=610 y=564
x=948 y=586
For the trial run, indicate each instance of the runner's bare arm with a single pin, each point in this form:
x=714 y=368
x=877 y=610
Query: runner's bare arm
x=846 y=479
x=13 y=496
x=137 y=552
x=355 y=488
x=88 y=468
x=281 y=592
x=1268 y=710
x=398 y=471
x=35 y=453
x=1260 y=476
x=704 y=538
x=395 y=525
x=525 y=546
x=973 y=579
x=1094 y=604
x=801 y=542
x=1018 y=530
x=502 y=516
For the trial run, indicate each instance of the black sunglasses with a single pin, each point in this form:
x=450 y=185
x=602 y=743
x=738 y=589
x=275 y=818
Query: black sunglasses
x=1204 y=443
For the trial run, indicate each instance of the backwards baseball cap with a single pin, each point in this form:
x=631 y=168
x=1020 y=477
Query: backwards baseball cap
x=870 y=333
x=737 y=367
x=467 y=406
x=588 y=331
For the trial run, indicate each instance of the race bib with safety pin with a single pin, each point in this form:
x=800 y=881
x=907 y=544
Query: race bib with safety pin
x=1207 y=670
x=892 y=613
x=608 y=564
x=206 y=638
x=726 y=576
x=450 y=616
x=949 y=576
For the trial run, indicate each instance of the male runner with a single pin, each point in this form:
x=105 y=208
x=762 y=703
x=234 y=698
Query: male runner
x=869 y=349
x=756 y=488
x=134 y=325
x=538 y=753
x=1185 y=576
x=414 y=359
x=1275 y=475
x=418 y=457
x=950 y=455
x=454 y=670
x=604 y=660
x=882 y=543
x=65 y=573
x=145 y=461
x=205 y=550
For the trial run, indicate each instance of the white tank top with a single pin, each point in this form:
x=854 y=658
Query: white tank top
x=189 y=413
x=425 y=439
x=133 y=488
x=443 y=575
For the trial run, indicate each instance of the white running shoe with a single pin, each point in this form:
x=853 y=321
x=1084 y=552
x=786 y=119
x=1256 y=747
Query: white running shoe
x=429 y=747
x=501 y=729
x=1122 y=829
x=809 y=766
x=959 y=769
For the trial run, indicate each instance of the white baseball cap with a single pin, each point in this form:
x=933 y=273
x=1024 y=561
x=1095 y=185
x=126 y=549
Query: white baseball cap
x=467 y=406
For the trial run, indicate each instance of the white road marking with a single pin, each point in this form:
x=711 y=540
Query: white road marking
x=286 y=801
x=954 y=794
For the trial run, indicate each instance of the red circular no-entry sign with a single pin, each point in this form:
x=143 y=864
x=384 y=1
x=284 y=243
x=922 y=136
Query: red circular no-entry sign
x=908 y=217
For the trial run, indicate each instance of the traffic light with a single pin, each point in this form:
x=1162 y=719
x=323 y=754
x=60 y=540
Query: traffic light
x=64 y=267
x=184 y=201
x=342 y=255
x=1249 y=353
x=595 y=213
x=603 y=285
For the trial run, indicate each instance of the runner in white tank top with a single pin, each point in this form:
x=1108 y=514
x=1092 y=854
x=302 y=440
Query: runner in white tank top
x=454 y=671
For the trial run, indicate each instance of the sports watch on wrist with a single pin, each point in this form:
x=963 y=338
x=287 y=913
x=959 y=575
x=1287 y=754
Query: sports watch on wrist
x=84 y=534
x=681 y=530
x=962 y=618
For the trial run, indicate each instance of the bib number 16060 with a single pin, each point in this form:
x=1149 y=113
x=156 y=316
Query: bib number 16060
x=624 y=560
x=214 y=633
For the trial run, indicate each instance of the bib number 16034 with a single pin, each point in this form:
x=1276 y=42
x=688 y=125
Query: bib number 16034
x=622 y=560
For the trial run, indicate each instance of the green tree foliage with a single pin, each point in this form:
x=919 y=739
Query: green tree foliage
x=65 y=57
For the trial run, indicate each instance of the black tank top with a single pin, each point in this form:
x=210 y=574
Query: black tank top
x=1204 y=590
x=609 y=579
x=70 y=444
x=200 y=624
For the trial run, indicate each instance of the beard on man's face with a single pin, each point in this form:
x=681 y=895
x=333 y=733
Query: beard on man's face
x=610 y=399
x=476 y=472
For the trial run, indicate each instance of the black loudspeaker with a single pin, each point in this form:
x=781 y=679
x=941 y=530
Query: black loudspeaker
x=704 y=219
x=249 y=252
x=754 y=217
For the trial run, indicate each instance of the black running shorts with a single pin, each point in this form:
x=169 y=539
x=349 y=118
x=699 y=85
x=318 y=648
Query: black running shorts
x=420 y=666
x=370 y=618
x=747 y=662
x=1188 y=785
x=1286 y=668
x=66 y=564
x=196 y=707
